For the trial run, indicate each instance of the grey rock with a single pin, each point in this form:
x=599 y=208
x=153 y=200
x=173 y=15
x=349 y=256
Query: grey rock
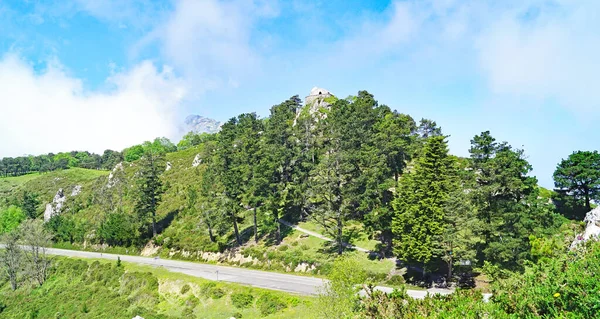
x=54 y=208
x=76 y=190
x=197 y=161
x=592 y=228
x=201 y=124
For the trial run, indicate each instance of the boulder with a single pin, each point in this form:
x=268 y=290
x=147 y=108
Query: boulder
x=76 y=190
x=169 y=166
x=197 y=161
x=111 y=177
x=54 y=208
x=592 y=228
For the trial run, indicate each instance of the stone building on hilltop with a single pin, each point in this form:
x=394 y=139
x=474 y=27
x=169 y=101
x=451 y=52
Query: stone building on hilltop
x=317 y=94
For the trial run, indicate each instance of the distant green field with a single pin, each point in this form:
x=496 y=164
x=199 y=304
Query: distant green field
x=47 y=184
x=9 y=184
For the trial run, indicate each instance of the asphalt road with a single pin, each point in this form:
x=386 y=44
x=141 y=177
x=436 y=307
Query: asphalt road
x=269 y=280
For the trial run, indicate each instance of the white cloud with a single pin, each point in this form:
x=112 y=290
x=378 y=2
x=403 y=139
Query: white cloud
x=51 y=112
x=540 y=50
x=552 y=55
x=209 y=41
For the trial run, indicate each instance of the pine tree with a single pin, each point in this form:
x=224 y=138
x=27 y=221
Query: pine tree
x=418 y=223
x=149 y=186
x=279 y=158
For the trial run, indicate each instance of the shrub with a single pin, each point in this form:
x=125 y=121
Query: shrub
x=237 y=315
x=269 y=304
x=185 y=289
x=192 y=301
x=207 y=287
x=217 y=293
x=188 y=313
x=396 y=280
x=10 y=219
x=242 y=300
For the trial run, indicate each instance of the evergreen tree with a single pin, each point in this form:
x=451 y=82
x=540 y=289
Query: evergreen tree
x=395 y=145
x=29 y=204
x=579 y=176
x=506 y=201
x=342 y=185
x=418 y=223
x=238 y=153
x=279 y=158
x=149 y=186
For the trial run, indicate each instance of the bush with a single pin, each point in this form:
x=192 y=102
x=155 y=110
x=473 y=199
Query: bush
x=242 y=300
x=192 y=301
x=396 y=280
x=185 y=289
x=217 y=293
x=10 y=219
x=269 y=304
x=237 y=315
x=207 y=287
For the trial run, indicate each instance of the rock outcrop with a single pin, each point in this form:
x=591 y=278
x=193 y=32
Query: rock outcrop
x=54 y=208
x=592 y=228
x=112 y=181
x=201 y=124
x=197 y=161
x=315 y=102
x=76 y=190
x=169 y=166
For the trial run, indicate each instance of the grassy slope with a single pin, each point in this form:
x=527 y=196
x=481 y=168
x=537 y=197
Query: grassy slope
x=99 y=289
x=9 y=184
x=46 y=185
x=184 y=230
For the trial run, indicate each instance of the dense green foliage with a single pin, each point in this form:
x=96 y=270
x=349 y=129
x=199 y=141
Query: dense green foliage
x=82 y=289
x=418 y=224
x=356 y=170
x=10 y=219
x=50 y=162
x=579 y=176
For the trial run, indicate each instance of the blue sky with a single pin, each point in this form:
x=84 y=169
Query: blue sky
x=92 y=74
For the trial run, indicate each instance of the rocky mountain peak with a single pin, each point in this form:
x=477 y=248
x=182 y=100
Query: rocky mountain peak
x=201 y=124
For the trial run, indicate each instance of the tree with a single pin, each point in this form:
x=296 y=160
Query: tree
x=230 y=170
x=418 y=223
x=461 y=228
x=210 y=192
x=394 y=146
x=10 y=219
x=277 y=170
x=11 y=257
x=339 y=296
x=149 y=186
x=133 y=153
x=29 y=203
x=117 y=229
x=579 y=176
x=506 y=202
x=36 y=238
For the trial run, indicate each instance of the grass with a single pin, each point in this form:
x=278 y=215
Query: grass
x=9 y=184
x=359 y=236
x=91 y=288
x=171 y=287
x=46 y=185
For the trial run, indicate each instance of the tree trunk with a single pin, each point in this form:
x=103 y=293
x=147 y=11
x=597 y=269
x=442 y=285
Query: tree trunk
x=153 y=224
x=210 y=233
x=587 y=200
x=235 y=229
x=278 y=232
x=255 y=227
x=339 y=235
